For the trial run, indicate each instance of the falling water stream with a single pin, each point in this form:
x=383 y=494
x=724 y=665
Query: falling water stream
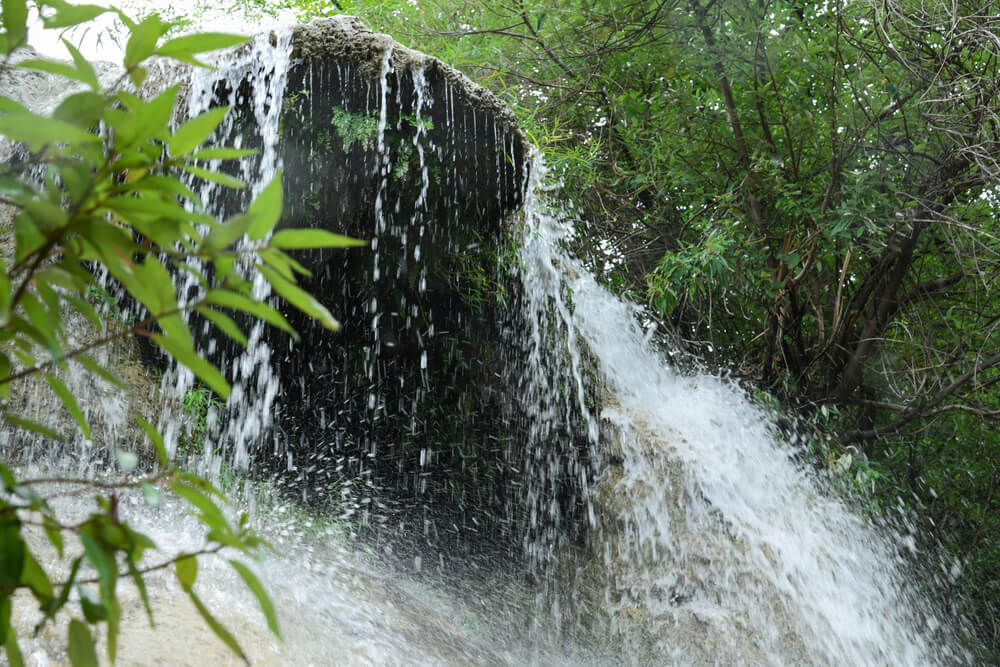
x=705 y=542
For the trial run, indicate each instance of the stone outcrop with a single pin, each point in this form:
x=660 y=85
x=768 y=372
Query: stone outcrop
x=388 y=145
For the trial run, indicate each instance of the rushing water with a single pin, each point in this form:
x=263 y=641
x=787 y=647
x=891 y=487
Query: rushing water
x=690 y=534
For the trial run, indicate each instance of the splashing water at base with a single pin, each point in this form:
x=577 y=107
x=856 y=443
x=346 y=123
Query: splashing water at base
x=337 y=601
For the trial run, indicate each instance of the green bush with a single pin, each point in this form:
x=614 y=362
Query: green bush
x=116 y=200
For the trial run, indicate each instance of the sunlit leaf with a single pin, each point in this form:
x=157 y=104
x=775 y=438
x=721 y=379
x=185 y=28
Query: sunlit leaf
x=142 y=40
x=194 y=132
x=266 y=209
x=97 y=369
x=87 y=74
x=222 y=153
x=225 y=234
x=211 y=515
x=229 y=299
x=69 y=14
x=140 y=584
x=299 y=298
x=185 y=354
x=299 y=239
x=105 y=566
x=199 y=43
x=54 y=533
x=10 y=642
x=36 y=131
x=215 y=177
x=224 y=322
x=54 y=67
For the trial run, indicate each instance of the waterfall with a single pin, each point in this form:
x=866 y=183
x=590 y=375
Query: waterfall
x=711 y=542
x=629 y=512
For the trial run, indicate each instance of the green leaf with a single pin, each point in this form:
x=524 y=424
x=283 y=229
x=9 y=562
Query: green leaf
x=58 y=603
x=262 y=597
x=166 y=184
x=154 y=436
x=266 y=209
x=69 y=402
x=210 y=515
x=187 y=571
x=58 y=276
x=69 y=15
x=84 y=111
x=114 y=619
x=54 y=67
x=7 y=105
x=302 y=239
x=29 y=425
x=105 y=566
x=15 y=21
x=13 y=553
x=230 y=299
x=36 y=131
x=87 y=74
x=299 y=298
x=225 y=234
x=54 y=533
x=223 y=153
x=34 y=577
x=142 y=42
x=144 y=120
x=212 y=176
x=194 y=132
x=10 y=643
x=224 y=322
x=219 y=630
x=185 y=354
x=13 y=186
x=181 y=47
x=140 y=584
x=81 y=645
x=4 y=374
x=127 y=461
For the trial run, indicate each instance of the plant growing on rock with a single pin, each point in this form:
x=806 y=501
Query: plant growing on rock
x=115 y=198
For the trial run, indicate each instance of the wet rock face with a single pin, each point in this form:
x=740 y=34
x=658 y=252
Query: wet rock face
x=388 y=145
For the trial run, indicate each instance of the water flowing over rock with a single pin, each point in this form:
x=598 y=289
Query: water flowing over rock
x=394 y=147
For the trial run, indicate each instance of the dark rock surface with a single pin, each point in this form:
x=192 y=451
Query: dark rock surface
x=409 y=403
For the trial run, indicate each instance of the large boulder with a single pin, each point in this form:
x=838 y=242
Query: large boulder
x=388 y=145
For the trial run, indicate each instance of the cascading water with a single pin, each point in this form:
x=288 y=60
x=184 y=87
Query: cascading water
x=659 y=515
x=711 y=543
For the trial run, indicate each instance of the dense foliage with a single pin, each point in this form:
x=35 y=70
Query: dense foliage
x=804 y=192
x=107 y=185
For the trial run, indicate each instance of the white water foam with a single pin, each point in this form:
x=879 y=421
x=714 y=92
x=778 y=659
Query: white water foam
x=716 y=547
